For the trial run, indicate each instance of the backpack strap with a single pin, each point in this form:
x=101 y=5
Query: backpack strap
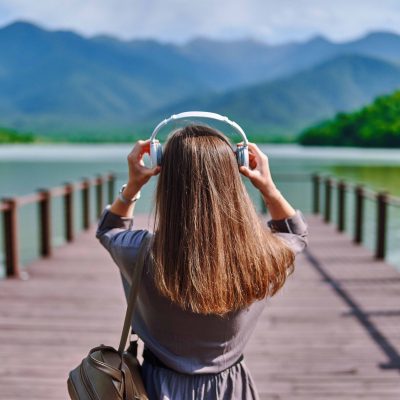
x=136 y=279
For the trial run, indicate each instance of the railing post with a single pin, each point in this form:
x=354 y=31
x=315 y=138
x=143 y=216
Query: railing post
x=99 y=195
x=327 y=211
x=86 y=204
x=341 y=211
x=69 y=212
x=45 y=223
x=381 y=215
x=111 y=188
x=316 y=179
x=11 y=238
x=359 y=214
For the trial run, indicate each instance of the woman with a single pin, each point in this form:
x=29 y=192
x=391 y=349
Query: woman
x=212 y=266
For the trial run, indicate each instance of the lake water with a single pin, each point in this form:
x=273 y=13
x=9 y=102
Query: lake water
x=26 y=168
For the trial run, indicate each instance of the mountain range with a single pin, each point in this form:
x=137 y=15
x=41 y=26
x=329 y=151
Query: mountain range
x=57 y=82
x=288 y=105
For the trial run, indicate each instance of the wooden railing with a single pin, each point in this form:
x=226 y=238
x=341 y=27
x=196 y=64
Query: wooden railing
x=322 y=192
x=322 y=196
x=381 y=199
x=10 y=209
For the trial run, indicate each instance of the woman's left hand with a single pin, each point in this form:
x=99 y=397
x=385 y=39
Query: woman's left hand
x=139 y=174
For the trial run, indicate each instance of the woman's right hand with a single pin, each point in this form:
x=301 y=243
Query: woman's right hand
x=259 y=172
x=139 y=174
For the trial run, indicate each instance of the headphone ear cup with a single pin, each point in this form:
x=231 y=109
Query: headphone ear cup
x=155 y=154
x=242 y=156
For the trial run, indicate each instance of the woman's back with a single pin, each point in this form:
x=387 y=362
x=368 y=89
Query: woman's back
x=210 y=269
x=189 y=342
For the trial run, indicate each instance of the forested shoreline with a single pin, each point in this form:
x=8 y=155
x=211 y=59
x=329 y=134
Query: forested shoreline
x=376 y=125
x=8 y=135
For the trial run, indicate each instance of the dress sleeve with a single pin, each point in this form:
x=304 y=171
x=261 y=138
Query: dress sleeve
x=117 y=235
x=293 y=230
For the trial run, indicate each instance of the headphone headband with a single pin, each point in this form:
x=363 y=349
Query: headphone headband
x=242 y=155
x=199 y=114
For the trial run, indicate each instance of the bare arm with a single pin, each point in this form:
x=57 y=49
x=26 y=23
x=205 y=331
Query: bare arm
x=115 y=229
x=138 y=176
x=260 y=176
x=286 y=222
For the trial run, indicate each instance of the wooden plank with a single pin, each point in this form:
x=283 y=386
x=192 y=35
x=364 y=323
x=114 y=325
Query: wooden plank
x=324 y=351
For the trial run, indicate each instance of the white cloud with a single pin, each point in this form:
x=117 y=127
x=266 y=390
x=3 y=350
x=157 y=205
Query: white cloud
x=179 y=20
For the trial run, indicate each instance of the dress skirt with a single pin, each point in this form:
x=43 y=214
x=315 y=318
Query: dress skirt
x=235 y=383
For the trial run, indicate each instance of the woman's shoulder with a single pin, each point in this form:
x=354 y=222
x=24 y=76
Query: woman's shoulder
x=296 y=224
x=139 y=237
x=293 y=230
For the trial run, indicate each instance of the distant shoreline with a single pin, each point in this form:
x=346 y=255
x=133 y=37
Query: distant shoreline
x=40 y=140
x=9 y=136
x=37 y=141
x=117 y=151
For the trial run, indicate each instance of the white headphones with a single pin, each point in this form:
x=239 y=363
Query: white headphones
x=242 y=152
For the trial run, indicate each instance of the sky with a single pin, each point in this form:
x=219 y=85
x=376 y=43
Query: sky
x=273 y=21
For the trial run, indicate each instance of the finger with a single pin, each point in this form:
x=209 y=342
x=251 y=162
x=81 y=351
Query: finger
x=140 y=147
x=246 y=172
x=153 y=171
x=243 y=170
x=146 y=146
x=156 y=170
x=149 y=171
x=253 y=160
x=253 y=163
x=255 y=149
x=252 y=152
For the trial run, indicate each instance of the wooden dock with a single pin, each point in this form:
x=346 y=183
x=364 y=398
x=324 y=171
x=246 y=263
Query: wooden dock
x=333 y=332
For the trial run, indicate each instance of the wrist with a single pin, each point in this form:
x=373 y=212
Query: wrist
x=131 y=190
x=270 y=192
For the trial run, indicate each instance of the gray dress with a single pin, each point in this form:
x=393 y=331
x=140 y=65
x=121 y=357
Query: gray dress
x=200 y=349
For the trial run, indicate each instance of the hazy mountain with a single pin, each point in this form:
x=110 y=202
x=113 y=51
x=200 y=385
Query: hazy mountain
x=61 y=76
x=58 y=80
x=288 y=105
x=248 y=61
x=385 y=45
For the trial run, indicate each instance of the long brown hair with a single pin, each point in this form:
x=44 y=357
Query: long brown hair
x=211 y=252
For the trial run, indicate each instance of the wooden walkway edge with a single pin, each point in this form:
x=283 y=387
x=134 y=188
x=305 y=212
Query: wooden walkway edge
x=332 y=332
